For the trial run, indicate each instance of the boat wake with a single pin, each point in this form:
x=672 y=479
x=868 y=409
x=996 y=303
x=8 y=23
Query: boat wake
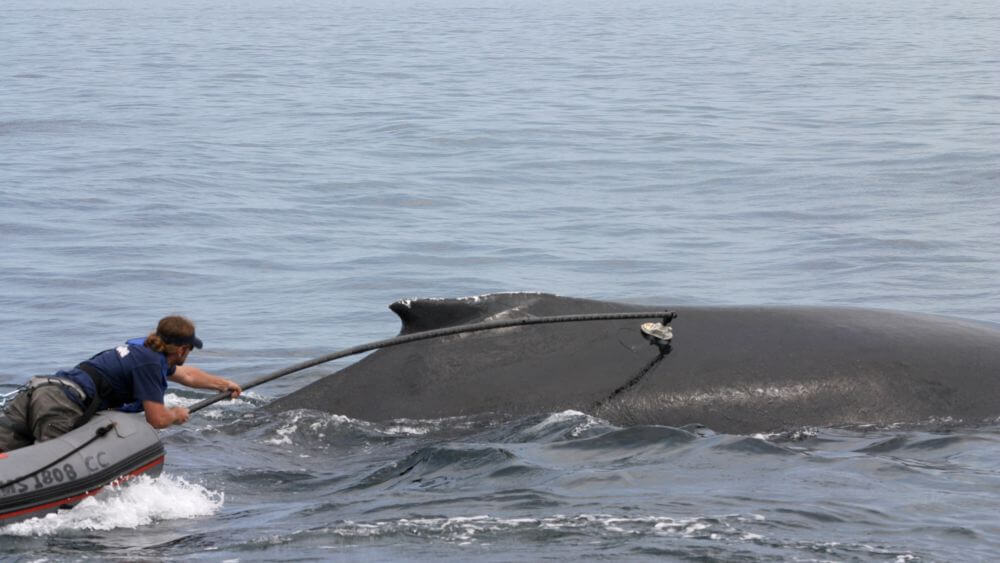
x=141 y=502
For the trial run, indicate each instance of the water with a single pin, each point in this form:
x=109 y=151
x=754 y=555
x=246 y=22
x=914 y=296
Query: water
x=281 y=172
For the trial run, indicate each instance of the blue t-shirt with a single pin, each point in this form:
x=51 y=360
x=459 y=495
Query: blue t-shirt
x=135 y=372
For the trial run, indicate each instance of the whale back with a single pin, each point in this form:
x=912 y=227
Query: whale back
x=735 y=369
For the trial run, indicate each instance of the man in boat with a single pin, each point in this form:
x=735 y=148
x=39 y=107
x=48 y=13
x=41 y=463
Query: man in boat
x=132 y=375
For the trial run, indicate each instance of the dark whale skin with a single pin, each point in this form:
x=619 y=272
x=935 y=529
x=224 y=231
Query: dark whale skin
x=733 y=369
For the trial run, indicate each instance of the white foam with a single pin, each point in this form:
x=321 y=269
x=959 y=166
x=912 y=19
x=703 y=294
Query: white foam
x=285 y=433
x=324 y=421
x=475 y=529
x=296 y=423
x=215 y=410
x=405 y=430
x=586 y=422
x=174 y=400
x=139 y=503
x=421 y=427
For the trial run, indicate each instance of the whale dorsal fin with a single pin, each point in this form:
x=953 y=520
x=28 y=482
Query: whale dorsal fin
x=418 y=315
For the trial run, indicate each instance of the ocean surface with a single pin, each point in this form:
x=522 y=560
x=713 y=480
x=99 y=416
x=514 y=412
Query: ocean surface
x=282 y=171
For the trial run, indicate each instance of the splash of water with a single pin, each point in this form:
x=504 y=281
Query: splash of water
x=138 y=503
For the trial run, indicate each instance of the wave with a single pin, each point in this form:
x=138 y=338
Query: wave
x=747 y=536
x=439 y=465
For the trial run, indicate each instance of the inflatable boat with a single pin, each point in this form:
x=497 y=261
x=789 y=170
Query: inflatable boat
x=111 y=448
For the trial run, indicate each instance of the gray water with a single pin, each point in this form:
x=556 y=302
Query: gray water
x=281 y=172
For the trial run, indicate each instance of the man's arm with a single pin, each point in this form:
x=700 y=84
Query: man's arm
x=201 y=379
x=159 y=416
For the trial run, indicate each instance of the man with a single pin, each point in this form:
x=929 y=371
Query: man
x=132 y=375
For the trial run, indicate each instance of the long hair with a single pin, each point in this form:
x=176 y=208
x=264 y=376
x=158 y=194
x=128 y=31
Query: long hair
x=174 y=328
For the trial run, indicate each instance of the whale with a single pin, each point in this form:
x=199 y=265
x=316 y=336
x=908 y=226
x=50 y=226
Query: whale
x=733 y=369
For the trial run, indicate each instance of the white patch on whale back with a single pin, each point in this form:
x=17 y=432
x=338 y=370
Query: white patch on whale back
x=735 y=396
x=408 y=303
x=749 y=396
x=506 y=314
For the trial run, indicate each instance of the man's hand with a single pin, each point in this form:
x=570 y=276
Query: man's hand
x=181 y=414
x=233 y=388
x=201 y=379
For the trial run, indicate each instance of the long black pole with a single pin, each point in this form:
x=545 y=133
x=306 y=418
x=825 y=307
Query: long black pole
x=667 y=316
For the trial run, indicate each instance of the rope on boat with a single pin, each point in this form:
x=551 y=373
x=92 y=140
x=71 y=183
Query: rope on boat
x=4 y=397
x=99 y=433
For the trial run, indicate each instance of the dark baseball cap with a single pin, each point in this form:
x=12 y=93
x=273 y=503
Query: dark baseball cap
x=192 y=341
